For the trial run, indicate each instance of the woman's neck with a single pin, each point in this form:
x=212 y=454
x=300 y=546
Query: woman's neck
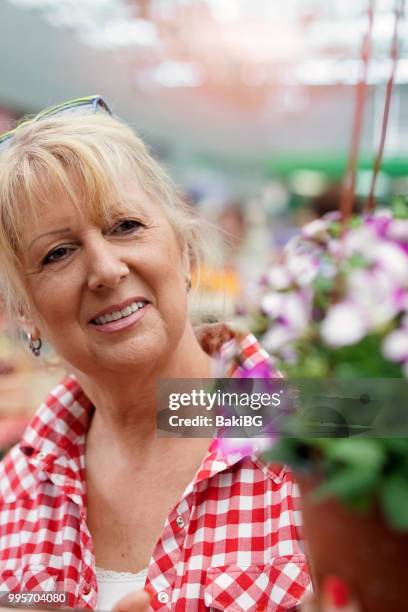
x=125 y=406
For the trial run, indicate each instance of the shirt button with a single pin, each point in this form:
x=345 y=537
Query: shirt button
x=41 y=455
x=180 y=521
x=163 y=597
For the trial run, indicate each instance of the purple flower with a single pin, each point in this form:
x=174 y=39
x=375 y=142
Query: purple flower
x=379 y=222
x=245 y=447
x=260 y=370
x=333 y=289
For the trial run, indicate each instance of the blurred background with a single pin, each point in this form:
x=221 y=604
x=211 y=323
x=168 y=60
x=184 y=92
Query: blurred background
x=248 y=103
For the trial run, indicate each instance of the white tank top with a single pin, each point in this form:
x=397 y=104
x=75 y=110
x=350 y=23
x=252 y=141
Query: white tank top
x=112 y=586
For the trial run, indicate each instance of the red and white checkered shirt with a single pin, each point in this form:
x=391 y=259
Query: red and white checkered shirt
x=231 y=543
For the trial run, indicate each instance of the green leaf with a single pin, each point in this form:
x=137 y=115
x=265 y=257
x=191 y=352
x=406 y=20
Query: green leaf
x=360 y=453
x=323 y=284
x=360 y=503
x=394 y=501
x=400 y=207
x=347 y=483
x=355 y=221
x=356 y=260
x=335 y=229
x=399 y=446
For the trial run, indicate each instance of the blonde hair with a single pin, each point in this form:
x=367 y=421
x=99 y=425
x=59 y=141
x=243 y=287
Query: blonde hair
x=99 y=151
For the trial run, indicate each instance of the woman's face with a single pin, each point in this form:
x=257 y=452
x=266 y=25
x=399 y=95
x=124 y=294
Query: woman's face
x=107 y=298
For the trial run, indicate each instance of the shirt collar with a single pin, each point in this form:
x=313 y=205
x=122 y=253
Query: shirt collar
x=58 y=430
x=61 y=421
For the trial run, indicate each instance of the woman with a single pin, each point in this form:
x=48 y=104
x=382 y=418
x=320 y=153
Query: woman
x=96 y=249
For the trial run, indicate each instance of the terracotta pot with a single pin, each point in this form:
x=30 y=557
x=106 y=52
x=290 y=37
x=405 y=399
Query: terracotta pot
x=359 y=548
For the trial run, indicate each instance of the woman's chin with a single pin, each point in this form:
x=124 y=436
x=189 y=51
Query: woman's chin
x=137 y=356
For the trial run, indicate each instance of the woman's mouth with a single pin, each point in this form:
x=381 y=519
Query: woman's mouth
x=120 y=319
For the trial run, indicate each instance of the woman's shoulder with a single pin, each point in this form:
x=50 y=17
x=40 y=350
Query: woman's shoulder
x=60 y=421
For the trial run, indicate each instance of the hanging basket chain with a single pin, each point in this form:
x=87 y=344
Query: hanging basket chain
x=347 y=196
x=398 y=14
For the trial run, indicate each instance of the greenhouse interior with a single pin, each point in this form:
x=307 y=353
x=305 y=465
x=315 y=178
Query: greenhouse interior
x=282 y=128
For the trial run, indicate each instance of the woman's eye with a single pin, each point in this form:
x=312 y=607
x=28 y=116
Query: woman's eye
x=127 y=226
x=56 y=254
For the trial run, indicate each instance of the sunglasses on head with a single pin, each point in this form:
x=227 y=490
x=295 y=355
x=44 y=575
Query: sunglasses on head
x=79 y=106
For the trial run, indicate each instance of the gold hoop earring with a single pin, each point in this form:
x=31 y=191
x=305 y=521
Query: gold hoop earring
x=189 y=283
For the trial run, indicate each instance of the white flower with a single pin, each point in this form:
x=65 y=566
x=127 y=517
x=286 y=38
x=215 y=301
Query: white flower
x=315 y=229
x=335 y=248
x=279 y=277
x=295 y=310
x=392 y=259
x=303 y=268
x=292 y=308
x=278 y=337
x=398 y=230
x=395 y=345
x=290 y=312
x=363 y=240
x=271 y=304
x=344 y=325
x=374 y=292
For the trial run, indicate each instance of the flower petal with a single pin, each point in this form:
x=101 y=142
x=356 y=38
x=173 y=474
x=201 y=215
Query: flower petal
x=343 y=325
x=395 y=345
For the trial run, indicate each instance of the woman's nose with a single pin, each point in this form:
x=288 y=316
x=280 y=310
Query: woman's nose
x=105 y=267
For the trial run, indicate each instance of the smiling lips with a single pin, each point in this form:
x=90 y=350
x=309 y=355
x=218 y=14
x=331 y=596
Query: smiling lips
x=116 y=318
x=119 y=314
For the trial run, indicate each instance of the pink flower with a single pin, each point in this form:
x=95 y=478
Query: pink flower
x=380 y=222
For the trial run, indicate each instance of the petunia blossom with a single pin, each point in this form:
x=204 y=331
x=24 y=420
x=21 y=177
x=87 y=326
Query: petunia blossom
x=376 y=294
x=395 y=345
x=279 y=277
x=343 y=325
x=392 y=260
